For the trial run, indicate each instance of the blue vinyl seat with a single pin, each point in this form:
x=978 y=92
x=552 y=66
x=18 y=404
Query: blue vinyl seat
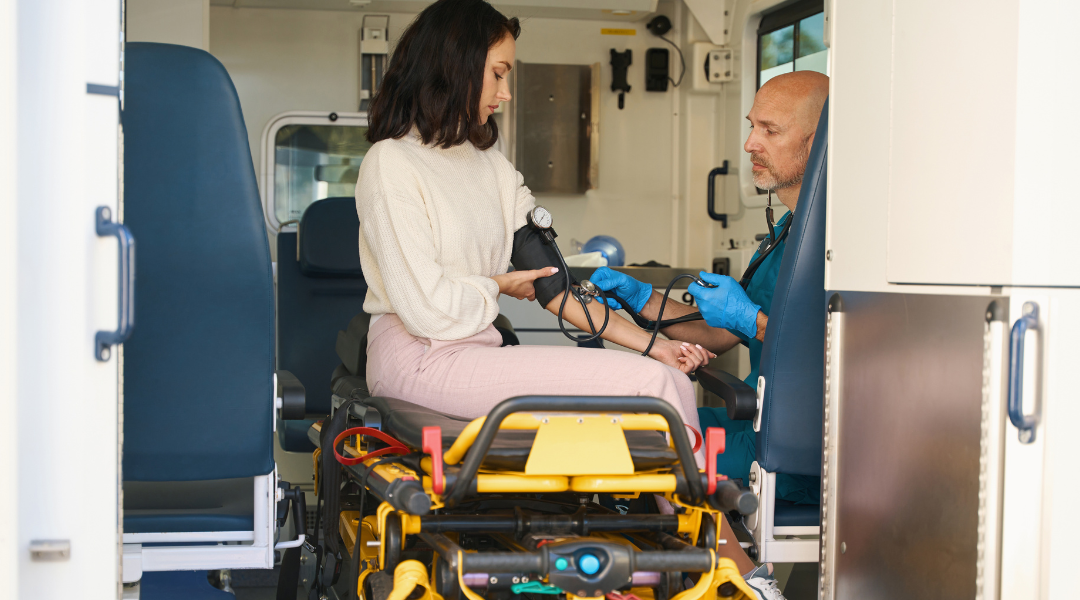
x=320 y=288
x=790 y=390
x=198 y=379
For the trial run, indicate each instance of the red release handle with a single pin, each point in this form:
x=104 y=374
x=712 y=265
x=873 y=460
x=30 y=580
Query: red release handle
x=432 y=444
x=714 y=444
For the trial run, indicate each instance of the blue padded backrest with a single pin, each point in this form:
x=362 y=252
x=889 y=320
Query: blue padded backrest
x=329 y=246
x=314 y=304
x=198 y=369
x=793 y=355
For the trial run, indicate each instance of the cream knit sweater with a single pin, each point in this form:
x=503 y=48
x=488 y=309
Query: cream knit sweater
x=435 y=226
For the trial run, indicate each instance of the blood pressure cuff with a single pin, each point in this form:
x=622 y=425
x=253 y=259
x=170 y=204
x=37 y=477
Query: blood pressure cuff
x=530 y=252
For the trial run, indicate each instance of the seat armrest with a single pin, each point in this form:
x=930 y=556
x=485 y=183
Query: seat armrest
x=739 y=398
x=290 y=392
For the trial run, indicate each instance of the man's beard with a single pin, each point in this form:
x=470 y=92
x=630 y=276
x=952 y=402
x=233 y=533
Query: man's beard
x=772 y=179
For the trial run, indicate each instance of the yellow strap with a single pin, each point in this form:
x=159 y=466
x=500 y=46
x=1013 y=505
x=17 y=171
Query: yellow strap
x=407 y=576
x=471 y=595
x=315 y=467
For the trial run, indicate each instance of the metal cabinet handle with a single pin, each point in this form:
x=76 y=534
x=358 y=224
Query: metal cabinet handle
x=1024 y=423
x=104 y=340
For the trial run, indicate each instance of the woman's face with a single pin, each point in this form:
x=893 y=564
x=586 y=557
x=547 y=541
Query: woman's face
x=500 y=60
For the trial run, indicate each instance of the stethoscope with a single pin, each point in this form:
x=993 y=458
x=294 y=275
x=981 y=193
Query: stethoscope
x=540 y=219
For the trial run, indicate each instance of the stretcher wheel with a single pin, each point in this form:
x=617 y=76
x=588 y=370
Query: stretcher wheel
x=392 y=533
x=378 y=586
x=707 y=536
x=446 y=582
x=670 y=585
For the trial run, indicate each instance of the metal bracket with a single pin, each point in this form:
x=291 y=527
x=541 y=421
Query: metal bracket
x=50 y=550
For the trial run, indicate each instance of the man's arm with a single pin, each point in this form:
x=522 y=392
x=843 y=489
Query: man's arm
x=715 y=339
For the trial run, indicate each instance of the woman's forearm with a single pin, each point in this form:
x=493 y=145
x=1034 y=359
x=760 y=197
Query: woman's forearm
x=619 y=330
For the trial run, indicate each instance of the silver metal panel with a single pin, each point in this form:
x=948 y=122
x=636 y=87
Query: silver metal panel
x=553 y=127
x=910 y=399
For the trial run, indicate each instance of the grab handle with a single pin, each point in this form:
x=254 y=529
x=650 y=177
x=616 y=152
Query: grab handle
x=1024 y=423
x=711 y=196
x=104 y=340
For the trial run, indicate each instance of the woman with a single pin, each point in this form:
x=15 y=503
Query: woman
x=438 y=210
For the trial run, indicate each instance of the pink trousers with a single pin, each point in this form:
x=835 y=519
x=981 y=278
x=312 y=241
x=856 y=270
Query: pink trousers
x=469 y=377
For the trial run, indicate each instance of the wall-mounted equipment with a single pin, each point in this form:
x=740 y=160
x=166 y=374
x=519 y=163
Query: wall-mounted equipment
x=620 y=64
x=553 y=125
x=656 y=74
x=711 y=66
x=374 y=49
x=656 y=69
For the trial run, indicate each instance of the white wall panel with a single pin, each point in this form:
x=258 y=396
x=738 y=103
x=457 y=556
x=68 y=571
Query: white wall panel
x=1046 y=157
x=183 y=22
x=9 y=573
x=857 y=210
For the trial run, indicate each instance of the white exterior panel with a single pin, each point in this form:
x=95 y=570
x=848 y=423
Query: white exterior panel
x=66 y=163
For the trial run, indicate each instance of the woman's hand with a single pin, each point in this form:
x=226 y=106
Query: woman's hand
x=684 y=356
x=519 y=284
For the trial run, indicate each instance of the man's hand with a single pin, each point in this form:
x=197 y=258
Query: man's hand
x=626 y=287
x=519 y=284
x=726 y=305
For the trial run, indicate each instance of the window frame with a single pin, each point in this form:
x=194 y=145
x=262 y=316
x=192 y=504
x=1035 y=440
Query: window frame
x=751 y=62
x=793 y=14
x=269 y=138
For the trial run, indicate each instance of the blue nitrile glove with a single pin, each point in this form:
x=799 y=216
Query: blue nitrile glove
x=626 y=287
x=725 y=305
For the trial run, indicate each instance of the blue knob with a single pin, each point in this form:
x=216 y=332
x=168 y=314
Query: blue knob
x=588 y=564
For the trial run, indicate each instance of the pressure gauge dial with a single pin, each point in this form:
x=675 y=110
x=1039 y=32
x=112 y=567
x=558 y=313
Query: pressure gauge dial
x=540 y=218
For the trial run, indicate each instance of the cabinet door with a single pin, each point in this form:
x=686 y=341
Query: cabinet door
x=982 y=139
x=1040 y=523
x=66 y=414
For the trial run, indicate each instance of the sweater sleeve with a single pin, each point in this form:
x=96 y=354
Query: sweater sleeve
x=524 y=200
x=397 y=230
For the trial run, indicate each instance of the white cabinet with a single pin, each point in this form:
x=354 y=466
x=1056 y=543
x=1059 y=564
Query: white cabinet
x=952 y=144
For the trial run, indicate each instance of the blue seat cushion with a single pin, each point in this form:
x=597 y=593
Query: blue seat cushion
x=186 y=506
x=185 y=523
x=179 y=585
x=787 y=514
x=329 y=245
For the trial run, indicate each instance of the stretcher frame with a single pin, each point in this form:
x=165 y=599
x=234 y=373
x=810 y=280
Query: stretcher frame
x=687 y=542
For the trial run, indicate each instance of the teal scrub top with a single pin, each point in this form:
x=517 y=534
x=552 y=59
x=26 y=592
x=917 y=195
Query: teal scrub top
x=761 y=289
x=741 y=440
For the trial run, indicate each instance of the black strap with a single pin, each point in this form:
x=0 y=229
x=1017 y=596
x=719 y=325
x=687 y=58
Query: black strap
x=289 y=576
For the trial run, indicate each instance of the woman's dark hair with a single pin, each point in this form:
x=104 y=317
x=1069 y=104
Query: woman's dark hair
x=437 y=74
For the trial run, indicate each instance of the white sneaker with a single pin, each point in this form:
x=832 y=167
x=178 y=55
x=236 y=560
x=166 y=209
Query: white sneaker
x=763 y=584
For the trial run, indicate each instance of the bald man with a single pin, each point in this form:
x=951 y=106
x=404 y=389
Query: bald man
x=783 y=121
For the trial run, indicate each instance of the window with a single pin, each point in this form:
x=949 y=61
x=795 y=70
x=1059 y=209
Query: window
x=308 y=157
x=792 y=39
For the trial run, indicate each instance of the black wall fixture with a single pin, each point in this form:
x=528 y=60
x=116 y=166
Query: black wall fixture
x=620 y=64
x=656 y=69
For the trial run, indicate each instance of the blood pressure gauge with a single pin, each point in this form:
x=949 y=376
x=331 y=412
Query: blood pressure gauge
x=540 y=218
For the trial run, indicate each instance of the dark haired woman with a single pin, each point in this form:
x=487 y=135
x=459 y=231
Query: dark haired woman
x=438 y=210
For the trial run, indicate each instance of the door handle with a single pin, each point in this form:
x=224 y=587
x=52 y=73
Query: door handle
x=104 y=340
x=1026 y=424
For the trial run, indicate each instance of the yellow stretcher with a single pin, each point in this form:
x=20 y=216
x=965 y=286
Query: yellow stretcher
x=503 y=506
